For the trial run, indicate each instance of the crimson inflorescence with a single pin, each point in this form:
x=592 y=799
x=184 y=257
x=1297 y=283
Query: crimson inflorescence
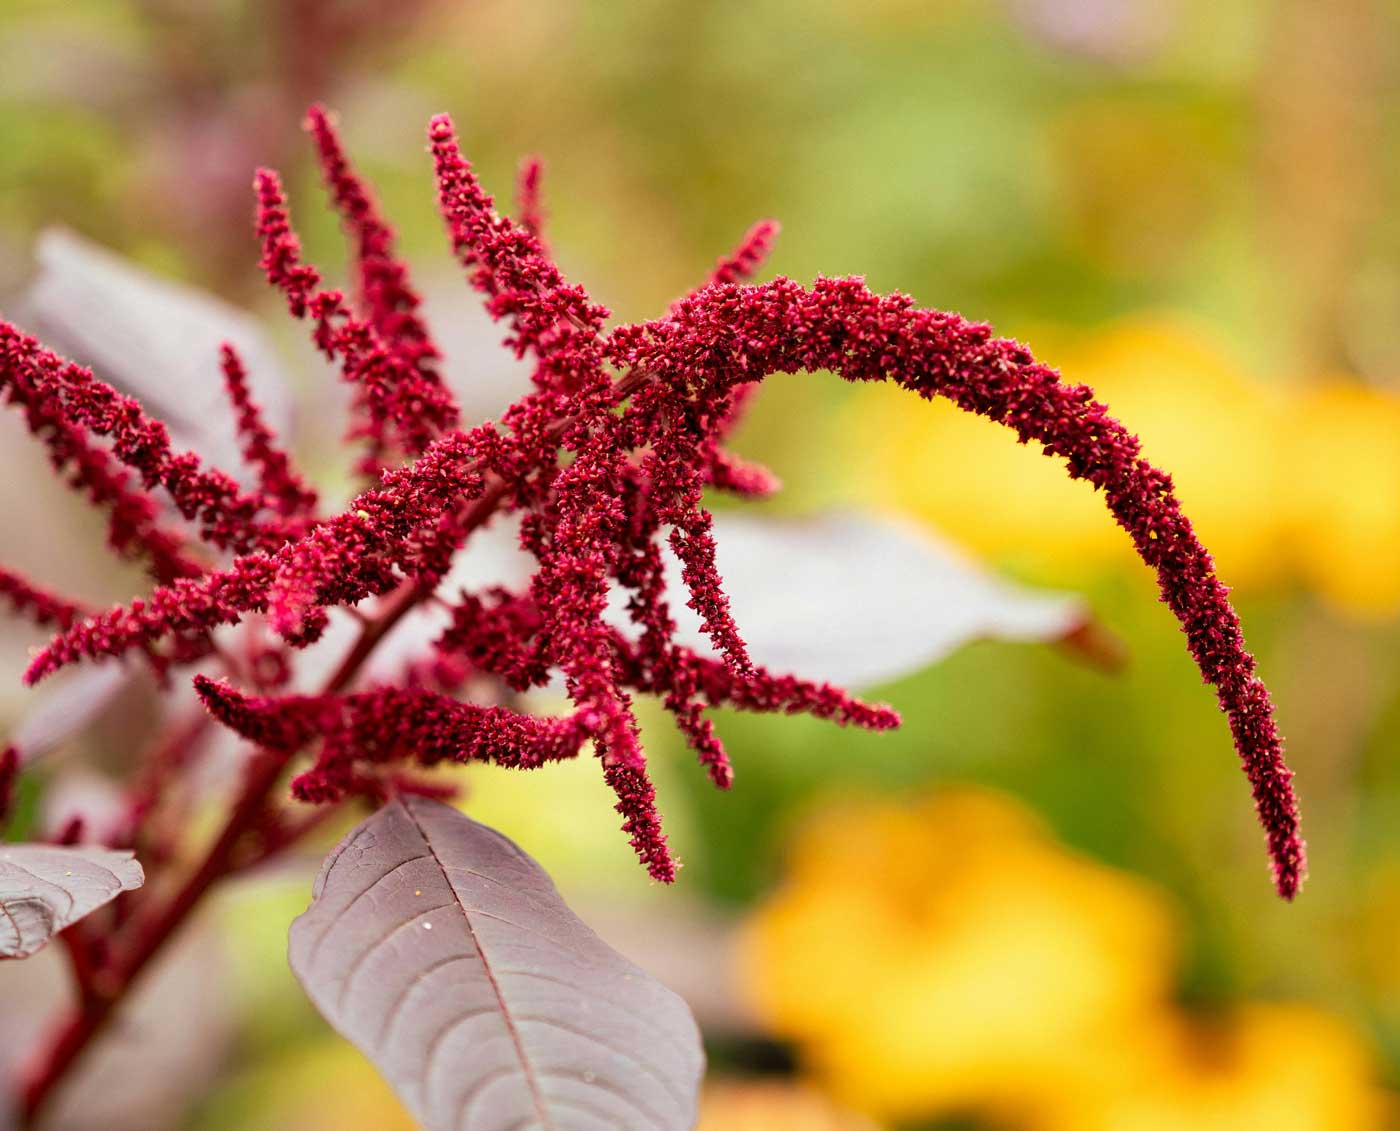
x=612 y=451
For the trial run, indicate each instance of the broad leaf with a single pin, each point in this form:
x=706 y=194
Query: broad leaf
x=153 y=339
x=446 y=954
x=43 y=889
x=859 y=600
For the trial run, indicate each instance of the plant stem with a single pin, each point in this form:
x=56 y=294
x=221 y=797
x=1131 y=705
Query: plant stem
x=110 y=985
x=103 y=992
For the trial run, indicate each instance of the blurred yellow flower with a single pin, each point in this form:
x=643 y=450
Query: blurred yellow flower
x=1343 y=494
x=1265 y=1068
x=1284 y=484
x=772 y=1105
x=947 y=956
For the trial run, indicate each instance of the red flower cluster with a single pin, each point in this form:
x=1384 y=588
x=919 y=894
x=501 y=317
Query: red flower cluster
x=612 y=450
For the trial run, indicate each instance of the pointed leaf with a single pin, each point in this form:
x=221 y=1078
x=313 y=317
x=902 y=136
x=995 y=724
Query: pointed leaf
x=446 y=954
x=859 y=600
x=43 y=889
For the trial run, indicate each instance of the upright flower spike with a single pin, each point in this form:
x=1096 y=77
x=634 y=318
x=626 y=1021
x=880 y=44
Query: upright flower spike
x=134 y=526
x=724 y=470
x=528 y=204
x=743 y=262
x=281 y=486
x=400 y=391
x=549 y=318
x=562 y=328
x=387 y=296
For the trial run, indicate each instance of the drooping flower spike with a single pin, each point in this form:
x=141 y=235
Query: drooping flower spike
x=609 y=453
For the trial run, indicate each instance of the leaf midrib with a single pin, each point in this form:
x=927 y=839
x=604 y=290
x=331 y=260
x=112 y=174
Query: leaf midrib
x=527 y=1068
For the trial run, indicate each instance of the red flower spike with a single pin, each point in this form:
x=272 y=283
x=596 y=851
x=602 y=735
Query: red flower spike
x=134 y=528
x=636 y=801
x=342 y=561
x=643 y=572
x=726 y=470
x=284 y=724
x=282 y=487
x=496 y=634
x=399 y=392
x=353 y=555
x=228 y=518
x=527 y=197
x=385 y=289
x=549 y=318
x=600 y=469
x=390 y=725
x=387 y=297
x=39 y=605
x=675 y=469
x=559 y=324
x=188 y=605
x=723 y=335
x=741 y=477
x=767 y=693
x=744 y=261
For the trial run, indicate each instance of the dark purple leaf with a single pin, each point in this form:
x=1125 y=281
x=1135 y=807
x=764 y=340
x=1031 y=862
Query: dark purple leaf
x=446 y=954
x=43 y=889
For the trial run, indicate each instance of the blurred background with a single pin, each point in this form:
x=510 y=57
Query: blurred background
x=1043 y=903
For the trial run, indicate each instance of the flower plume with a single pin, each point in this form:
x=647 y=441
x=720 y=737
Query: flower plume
x=610 y=453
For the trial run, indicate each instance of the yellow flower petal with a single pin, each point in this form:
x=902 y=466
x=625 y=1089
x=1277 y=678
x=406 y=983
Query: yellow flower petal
x=952 y=956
